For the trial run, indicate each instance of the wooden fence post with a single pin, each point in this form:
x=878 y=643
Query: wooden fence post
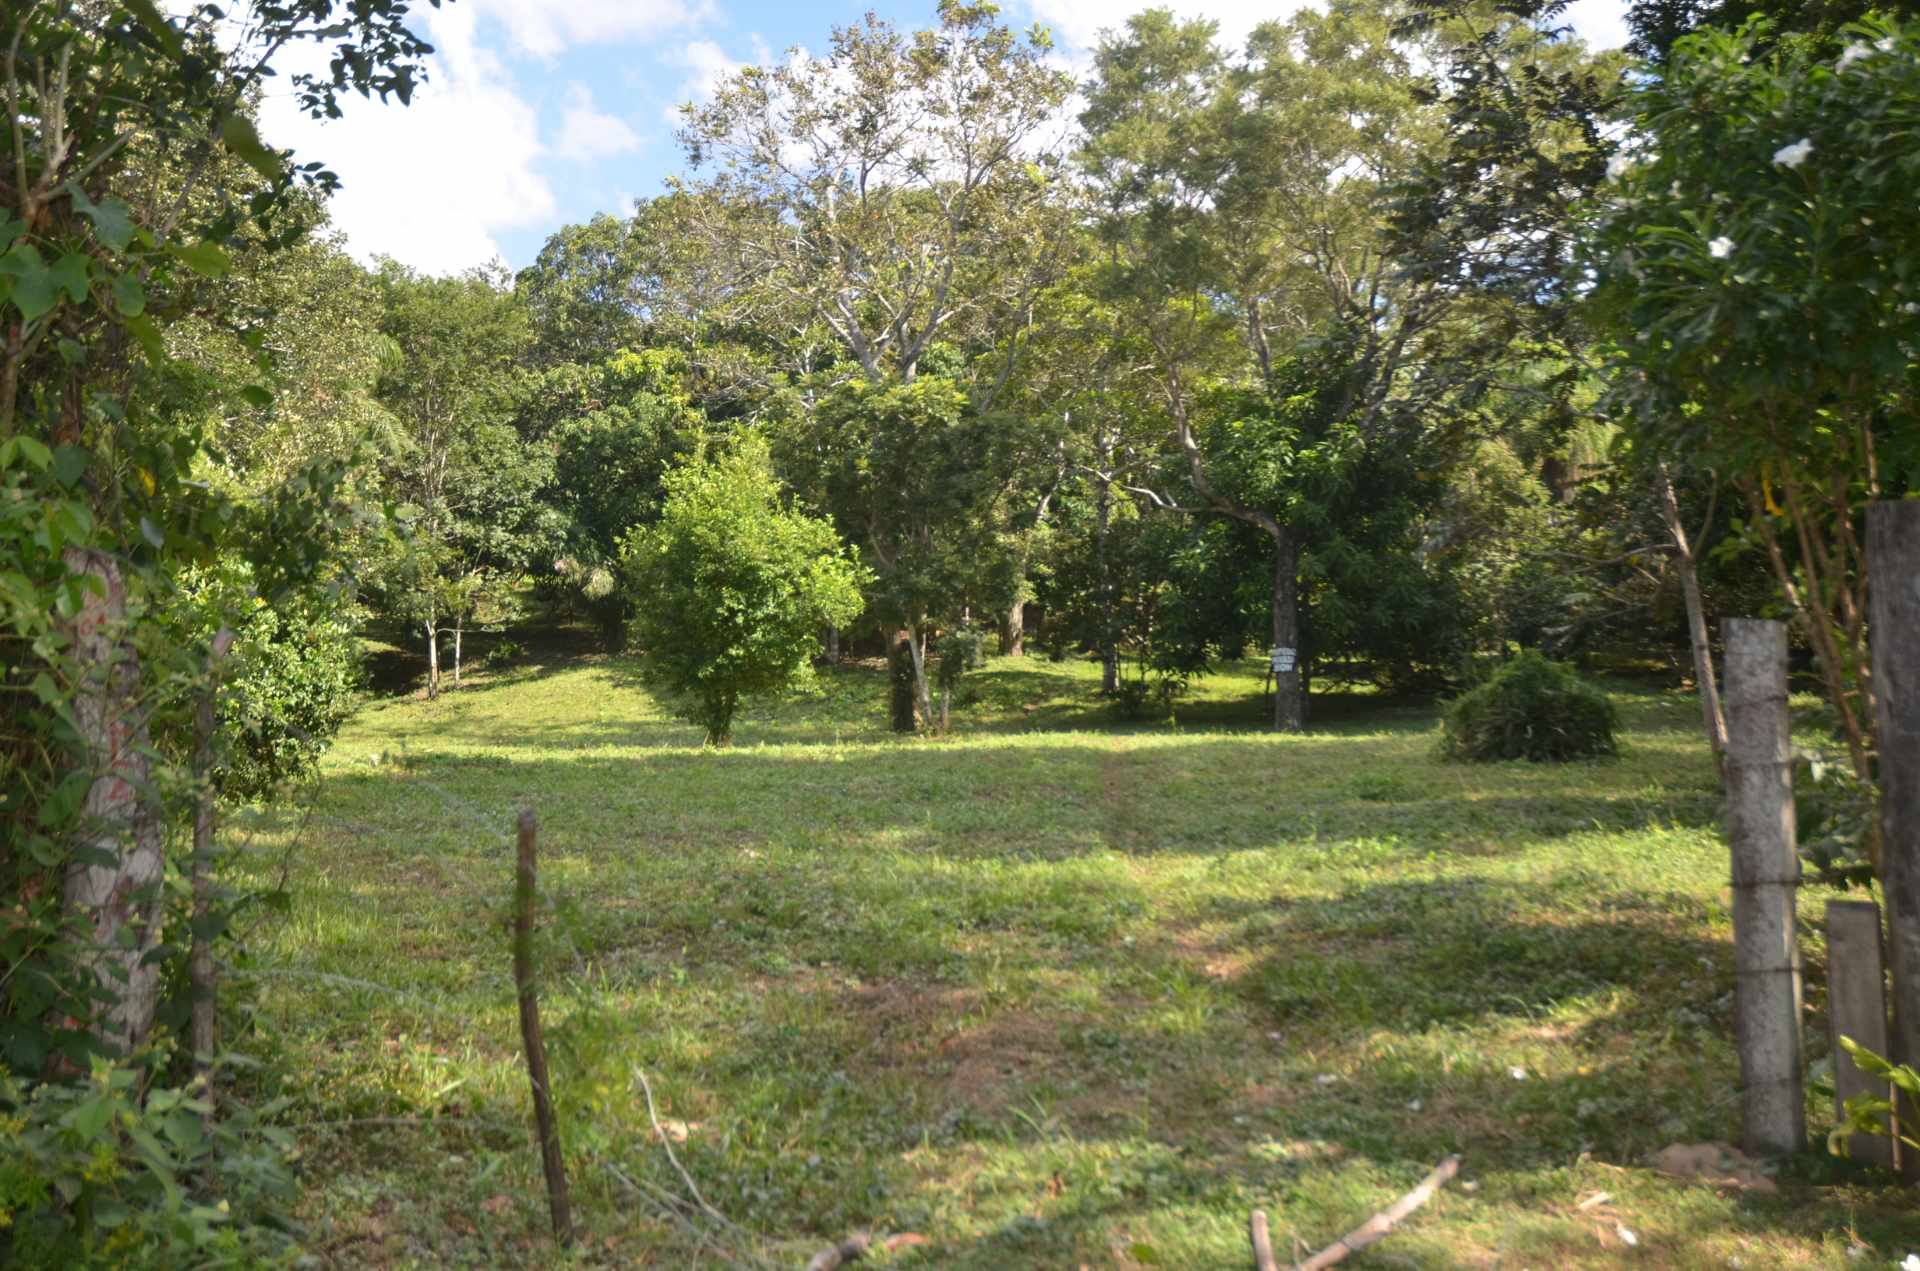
x=1766 y=877
x=1857 y=1008
x=1893 y=610
x=559 y=1204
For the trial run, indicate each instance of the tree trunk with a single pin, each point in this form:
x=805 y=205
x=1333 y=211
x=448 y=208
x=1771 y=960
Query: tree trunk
x=1893 y=563
x=900 y=682
x=1289 y=715
x=1013 y=639
x=459 y=627
x=200 y=967
x=1109 y=620
x=1697 y=634
x=1766 y=877
x=113 y=883
x=917 y=648
x=433 y=659
x=833 y=646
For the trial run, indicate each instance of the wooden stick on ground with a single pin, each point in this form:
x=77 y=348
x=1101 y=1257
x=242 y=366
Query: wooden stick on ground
x=858 y=1246
x=1381 y=1225
x=558 y=1202
x=852 y=1249
x=1262 y=1243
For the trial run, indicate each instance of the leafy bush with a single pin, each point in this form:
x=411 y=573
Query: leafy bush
x=295 y=672
x=731 y=587
x=1532 y=708
x=95 y=1174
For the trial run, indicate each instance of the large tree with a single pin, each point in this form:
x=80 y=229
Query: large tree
x=132 y=172
x=1247 y=195
x=901 y=195
x=464 y=483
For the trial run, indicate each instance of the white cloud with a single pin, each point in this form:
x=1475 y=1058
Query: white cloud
x=708 y=66
x=431 y=183
x=588 y=133
x=1601 y=23
x=546 y=28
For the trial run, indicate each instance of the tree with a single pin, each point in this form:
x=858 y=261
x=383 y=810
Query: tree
x=464 y=482
x=896 y=191
x=731 y=586
x=1755 y=258
x=1241 y=210
x=111 y=104
x=914 y=474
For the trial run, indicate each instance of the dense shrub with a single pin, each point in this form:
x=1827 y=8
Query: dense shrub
x=1532 y=708
x=293 y=681
x=104 y=1173
x=731 y=587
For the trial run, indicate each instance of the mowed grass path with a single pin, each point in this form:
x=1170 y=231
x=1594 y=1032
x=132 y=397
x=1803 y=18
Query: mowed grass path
x=1053 y=993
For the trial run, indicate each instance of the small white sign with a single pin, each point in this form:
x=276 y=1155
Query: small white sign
x=1283 y=660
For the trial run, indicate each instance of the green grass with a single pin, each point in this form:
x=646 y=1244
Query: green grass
x=1053 y=992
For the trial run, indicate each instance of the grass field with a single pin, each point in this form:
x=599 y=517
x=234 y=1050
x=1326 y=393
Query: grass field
x=1053 y=992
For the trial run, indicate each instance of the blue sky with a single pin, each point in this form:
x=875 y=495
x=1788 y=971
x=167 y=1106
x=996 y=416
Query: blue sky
x=542 y=112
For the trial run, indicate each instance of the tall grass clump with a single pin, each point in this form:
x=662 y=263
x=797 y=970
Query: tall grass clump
x=1531 y=708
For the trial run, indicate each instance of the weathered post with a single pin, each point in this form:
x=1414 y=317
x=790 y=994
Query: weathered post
x=1766 y=878
x=559 y=1203
x=1857 y=1009
x=1893 y=567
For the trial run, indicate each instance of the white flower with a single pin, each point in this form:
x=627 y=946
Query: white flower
x=1911 y=1263
x=1854 y=52
x=1626 y=1237
x=1517 y=1073
x=1910 y=308
x=1720 y=248
x=1325 y=1079
x=1884 y=44
x=1794 y=155
x=1413 y=1105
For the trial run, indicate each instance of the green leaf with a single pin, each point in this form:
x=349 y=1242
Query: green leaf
x=257 y=396
x=1145 y=1254
x=206 y=259
x=143 y=330
x=90 y=1118
x=243 y=141
x=130 y=295
x=36 y=452
x=32 y=292
x=152 y=533
x=71 y=274
x=112 y=218
x=69 y=464
x=157 y=26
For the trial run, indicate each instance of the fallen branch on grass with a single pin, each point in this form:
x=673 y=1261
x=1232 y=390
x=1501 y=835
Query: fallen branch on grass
x=1372 y=1231
x=1262 y=1244
x=857 y=1246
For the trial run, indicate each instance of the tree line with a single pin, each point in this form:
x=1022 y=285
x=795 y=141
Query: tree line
x=1397 y=338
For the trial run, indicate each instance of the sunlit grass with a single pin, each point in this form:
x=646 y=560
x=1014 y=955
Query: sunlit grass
x=1053 y=991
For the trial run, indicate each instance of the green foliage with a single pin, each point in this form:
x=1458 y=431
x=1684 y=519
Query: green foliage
x=1757 y=256
x=102 y=1174
x=293 y=680
x=730 y=588
x=608 y=463
x=1531 y=708
x=1756 y=261
x=1874 y=1113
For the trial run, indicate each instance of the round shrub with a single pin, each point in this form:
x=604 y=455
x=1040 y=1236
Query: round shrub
x=1531 y=708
